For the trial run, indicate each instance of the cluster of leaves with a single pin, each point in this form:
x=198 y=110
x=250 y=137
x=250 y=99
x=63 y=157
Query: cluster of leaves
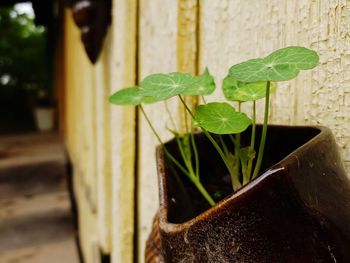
x=23 y=67
x=246 y=82
x=22 y=49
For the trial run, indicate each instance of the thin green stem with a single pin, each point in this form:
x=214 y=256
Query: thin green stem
x=186 y=119
x=186 y=159
x=168 y=154
x=150 y=125
x=224 y=146
x=190 y=175
x=204 y=192
x=195 y=153
x=193 y=143
x=186 y=107
x=252 y=141
x=263 y=133
x=203 y=99
x=237 y=154
x=235 y=182
x=237 y=144
x=170 y=115
x=232 y=139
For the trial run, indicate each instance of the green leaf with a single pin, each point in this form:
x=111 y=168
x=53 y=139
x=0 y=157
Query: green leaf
x=165 y=86
x=283 y=64
x=129 y=96
x=221 y=118
x=240 y=91
x=246 y=154
x=204 y=85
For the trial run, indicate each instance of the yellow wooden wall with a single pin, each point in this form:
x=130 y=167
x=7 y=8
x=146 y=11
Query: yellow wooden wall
x=112 y=148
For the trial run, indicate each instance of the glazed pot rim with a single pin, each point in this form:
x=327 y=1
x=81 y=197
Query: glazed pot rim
x=275 y=170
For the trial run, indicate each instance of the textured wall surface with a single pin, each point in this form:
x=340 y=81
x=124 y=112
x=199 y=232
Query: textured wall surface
x=233 y=31
x=157 y=53
x=112 y=148
x=101 y=139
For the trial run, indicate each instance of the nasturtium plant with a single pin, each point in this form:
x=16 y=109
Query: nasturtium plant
x=221 y=118
x=204 y=85
x=247 y=82
x=164 y=86
x=235 y=90
x=283 y=64
x=130 y=96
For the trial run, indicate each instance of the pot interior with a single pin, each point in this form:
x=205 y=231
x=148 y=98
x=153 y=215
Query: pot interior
x=184 y=200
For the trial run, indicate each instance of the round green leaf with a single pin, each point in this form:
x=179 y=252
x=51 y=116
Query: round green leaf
x=165 y=86
x=221 y=118
x=129 y=96
x=204 y=85
x=240 y=91
x=283 y=64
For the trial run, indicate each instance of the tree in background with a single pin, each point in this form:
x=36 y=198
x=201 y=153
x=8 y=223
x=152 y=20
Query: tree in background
x=23 y=64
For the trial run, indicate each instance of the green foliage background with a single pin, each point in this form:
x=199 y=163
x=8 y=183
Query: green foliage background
x=23 y=65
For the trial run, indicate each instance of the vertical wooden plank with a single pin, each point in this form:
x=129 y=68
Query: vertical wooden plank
x=122 y=129
x=168 y=43
x=103 y=148
x=79 y=82
x=187 y=36
x=188 y=46
x=157 y=53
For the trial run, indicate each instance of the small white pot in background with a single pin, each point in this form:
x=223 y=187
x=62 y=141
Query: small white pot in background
x=44 y=118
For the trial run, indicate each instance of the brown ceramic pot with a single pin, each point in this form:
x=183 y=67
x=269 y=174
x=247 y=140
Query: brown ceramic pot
x=297 y=211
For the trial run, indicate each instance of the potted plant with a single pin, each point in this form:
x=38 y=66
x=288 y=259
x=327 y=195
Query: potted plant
x=44 y=113
x=215 y=203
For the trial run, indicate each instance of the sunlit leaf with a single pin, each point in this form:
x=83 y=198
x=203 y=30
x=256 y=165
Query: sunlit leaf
x=204 y=85
x=165 y=86
x=283 y=64
x=221 y=118
x=240 y=91
x=129 y=96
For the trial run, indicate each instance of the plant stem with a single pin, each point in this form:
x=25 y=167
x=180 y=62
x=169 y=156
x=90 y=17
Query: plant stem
x=195 y=152
x=185 y=158
x=168 y=154
x=263 y=133
x=204 y=192
x=224 y=146
x=204 y=101
x=252 y=142
x=170 y=115
x=193 y=143
x=186 y=107
x=186 y=120
x=237 y=145
x=190 y=175
x=150 y=125
x=235 y=182
x=237 y=155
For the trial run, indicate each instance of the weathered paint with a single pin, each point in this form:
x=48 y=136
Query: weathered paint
x=122 y=129
x=157 y=53
x=103 y=147
x=80 y=135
